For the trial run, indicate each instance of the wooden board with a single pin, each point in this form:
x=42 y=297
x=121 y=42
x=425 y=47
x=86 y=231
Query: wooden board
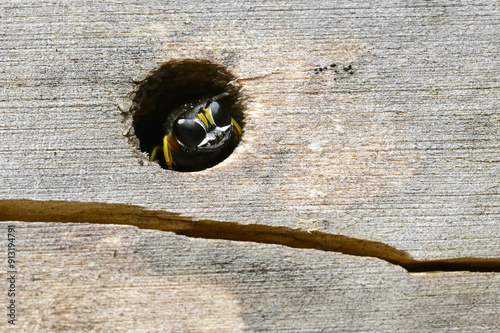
x=84 y=278
x=404 y=151
x=371 y=129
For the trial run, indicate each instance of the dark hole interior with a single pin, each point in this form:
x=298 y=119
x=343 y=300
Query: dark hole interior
x=172 y=85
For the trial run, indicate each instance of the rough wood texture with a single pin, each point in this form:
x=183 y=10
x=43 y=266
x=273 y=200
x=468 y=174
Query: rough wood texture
x=405 y=150
x=76 y=278
x=398 y=144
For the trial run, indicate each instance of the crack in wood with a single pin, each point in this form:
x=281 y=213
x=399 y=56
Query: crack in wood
x=103 y=213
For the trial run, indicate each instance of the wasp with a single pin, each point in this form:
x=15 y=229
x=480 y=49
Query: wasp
x=198 y=134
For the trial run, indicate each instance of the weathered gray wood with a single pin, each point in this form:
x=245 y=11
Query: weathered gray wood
x=401 y=150
x=121 y=279
x=404 y=151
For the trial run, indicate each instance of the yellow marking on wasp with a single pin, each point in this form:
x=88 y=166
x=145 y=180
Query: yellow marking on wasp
x=166 y=152
x=203 y=118
x=174 y=145
x=237 y=128
x=169 y=144
x=206 y=118
x=152 y=157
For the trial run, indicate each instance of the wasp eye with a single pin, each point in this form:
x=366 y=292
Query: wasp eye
x=220 y=116
x=189 y=132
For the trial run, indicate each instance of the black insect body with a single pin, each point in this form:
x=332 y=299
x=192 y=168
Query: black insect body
x=196 y=134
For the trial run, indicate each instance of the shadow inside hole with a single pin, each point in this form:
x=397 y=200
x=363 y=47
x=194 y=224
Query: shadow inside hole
x=174 y=84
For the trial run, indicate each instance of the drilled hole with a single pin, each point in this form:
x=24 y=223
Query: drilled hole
x=188 y=115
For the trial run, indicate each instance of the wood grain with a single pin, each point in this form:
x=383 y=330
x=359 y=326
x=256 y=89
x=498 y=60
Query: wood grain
x=404 y=151
x=374 y=121
x=88 y=278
